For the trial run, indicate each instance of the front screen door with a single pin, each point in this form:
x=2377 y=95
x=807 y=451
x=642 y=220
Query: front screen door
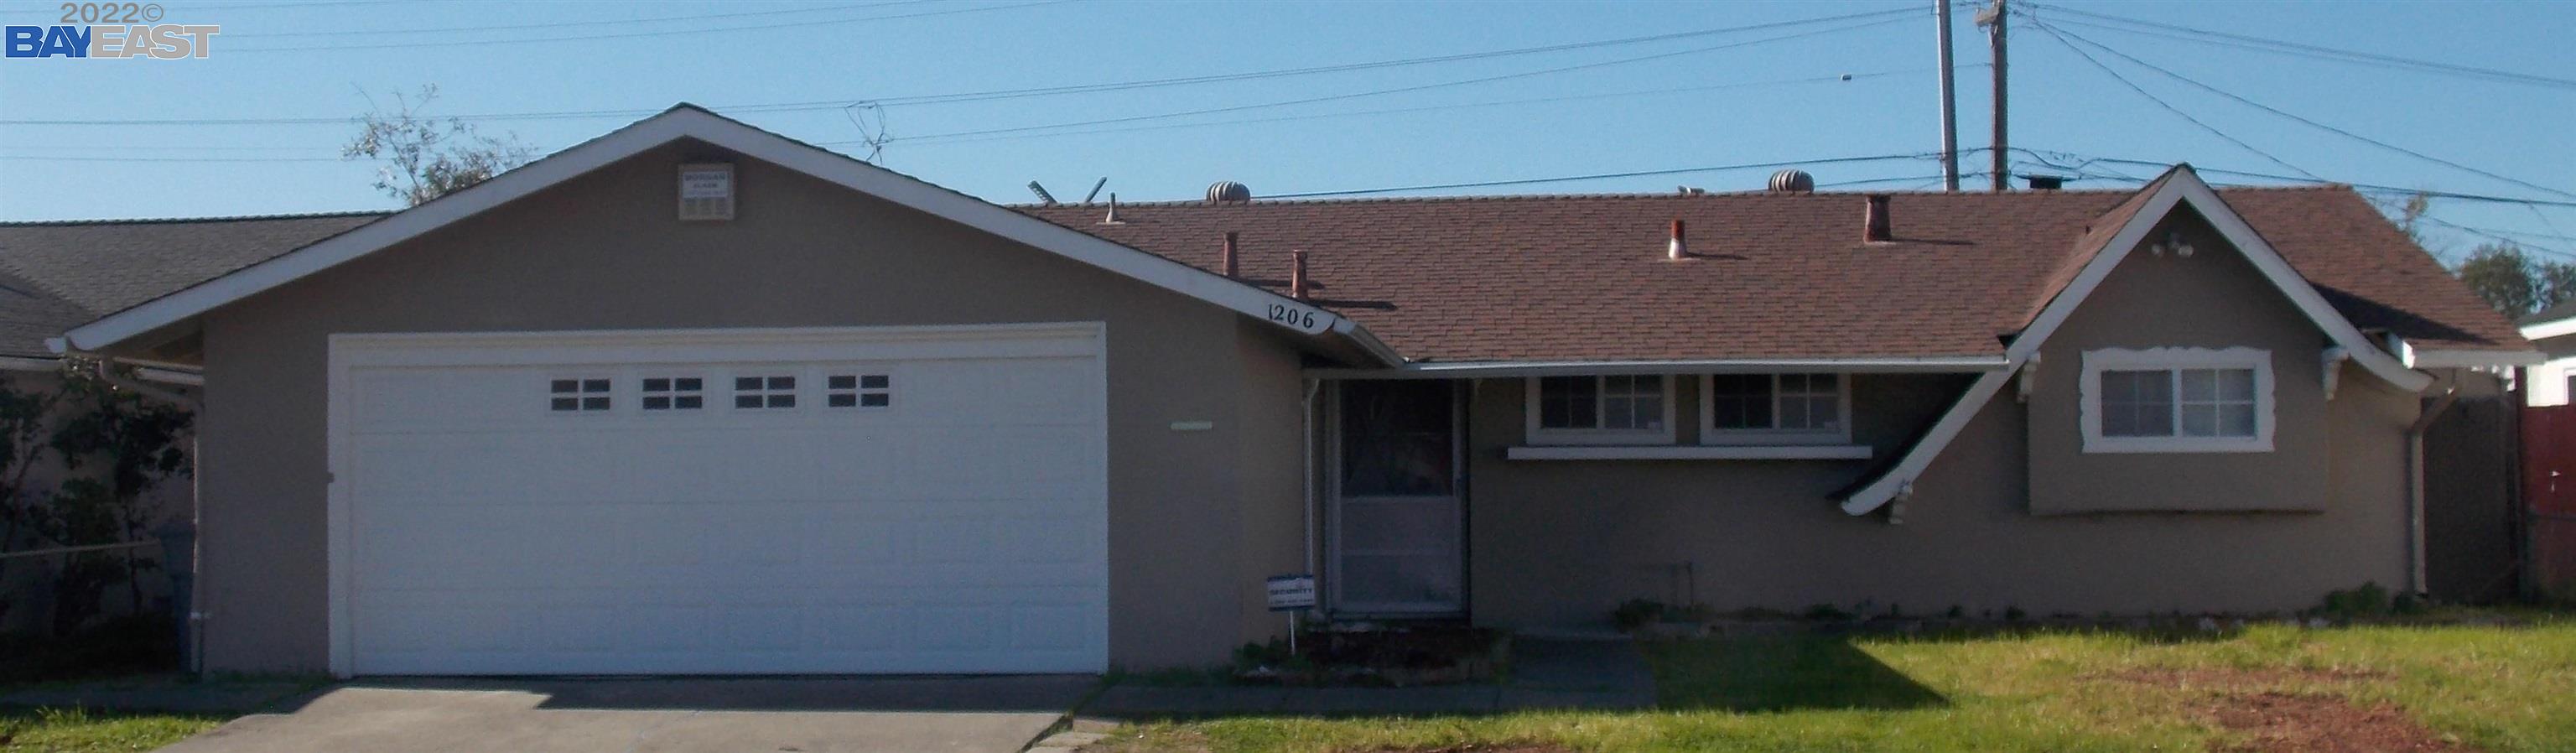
x=1396 y=518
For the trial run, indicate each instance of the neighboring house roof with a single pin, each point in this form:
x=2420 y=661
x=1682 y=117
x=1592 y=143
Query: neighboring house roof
x=1773 y=275
x=58 y=275
x=2555 y=321
x=690 y=122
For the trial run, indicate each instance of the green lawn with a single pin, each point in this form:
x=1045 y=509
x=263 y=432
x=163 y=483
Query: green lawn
x=2270 y=688
x=76 y=731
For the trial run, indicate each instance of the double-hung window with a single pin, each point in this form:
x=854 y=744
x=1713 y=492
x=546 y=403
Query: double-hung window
x=1601 y=409
x=1757 y=409
x=2177 y=400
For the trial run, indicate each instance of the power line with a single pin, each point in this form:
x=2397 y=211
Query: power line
x=2306 y=121
x=639 y=34
x=2241 y=41
x=1002 y=94
x=564 y=24
x=2168 y=106
x=1604 y=176
x=1838 y=78
x=1397 y=90
x=2366 y=187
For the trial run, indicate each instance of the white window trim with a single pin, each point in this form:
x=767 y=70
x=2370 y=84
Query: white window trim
x=1710 y=435
x=2089 y=394
x=1538 y=435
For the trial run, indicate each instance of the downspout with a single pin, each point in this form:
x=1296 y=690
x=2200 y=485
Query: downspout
x=2417 y=579
x=1306 y=455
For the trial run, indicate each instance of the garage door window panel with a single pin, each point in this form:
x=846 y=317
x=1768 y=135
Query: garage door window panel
x=673 y=393
x=580 y=395
x=764 y=392
x=858 y=391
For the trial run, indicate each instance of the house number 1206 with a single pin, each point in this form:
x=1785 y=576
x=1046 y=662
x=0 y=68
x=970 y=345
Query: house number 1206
x=1292 y=316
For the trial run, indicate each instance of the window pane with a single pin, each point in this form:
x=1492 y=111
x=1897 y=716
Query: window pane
x=1825 y=412
x=566 y=385
x=842 y=382
x=657 y=403
x=1551 y=413
x=2199 y=385
x=1618 y=412
x=782 y=383
x=1650 y=409
x=688 y=402
x=1793 y=413
x=2236 y=419
x=2236 y=385
x=746 y=383
x=594 y=385
x=594 y=403
x=566 y=403
x=874 y=381
x=2137 y=403
x=875 y=400
x=746 y=401
x=657 y=385
x=691 y=384
x=2199 y=420
x=842 y=400
x=782 y=401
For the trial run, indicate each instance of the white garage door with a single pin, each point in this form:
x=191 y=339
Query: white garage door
x=875 y=500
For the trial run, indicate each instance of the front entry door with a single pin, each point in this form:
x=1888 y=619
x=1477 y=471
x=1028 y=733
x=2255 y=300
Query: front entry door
x=1396 y=517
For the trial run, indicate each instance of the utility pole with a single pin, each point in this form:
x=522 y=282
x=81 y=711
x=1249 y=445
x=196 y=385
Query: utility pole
x=1993 y=19
x=1949 y=101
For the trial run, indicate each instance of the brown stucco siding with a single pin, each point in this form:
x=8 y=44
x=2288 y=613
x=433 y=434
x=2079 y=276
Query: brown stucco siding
x=604 y=252
x=2214 y=298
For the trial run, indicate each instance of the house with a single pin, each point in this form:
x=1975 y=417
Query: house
x=692 y=397
x=2553 y=331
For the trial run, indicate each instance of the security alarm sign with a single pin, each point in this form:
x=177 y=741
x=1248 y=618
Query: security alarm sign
x=1290 y=593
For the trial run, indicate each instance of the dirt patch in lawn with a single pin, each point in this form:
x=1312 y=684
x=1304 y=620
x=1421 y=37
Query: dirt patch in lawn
x=2289 y=723
x=2258 y=705
x=2239 y=679
x=1481 y=748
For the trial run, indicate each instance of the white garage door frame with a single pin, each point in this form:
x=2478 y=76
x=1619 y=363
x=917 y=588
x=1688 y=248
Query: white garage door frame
x=350 y=352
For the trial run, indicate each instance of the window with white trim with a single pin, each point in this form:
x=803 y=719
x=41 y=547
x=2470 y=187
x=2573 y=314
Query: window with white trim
x=2177 y=400
x=1600 y=409
x=764 y=392
x=673 y=393
x=584 y=395
x=1759 y=409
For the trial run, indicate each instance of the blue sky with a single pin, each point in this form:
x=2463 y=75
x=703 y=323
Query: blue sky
x=1687 y=106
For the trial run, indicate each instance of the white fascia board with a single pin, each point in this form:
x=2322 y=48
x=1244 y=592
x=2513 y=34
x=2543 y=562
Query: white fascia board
x=1497 y=369
x=2467 y=358
x=2184 y=186
x=2554 y=328
x=680 y=123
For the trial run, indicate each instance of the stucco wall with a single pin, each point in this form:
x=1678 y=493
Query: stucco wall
x=604 y=252
x=1559 y=542
x=2213 y=299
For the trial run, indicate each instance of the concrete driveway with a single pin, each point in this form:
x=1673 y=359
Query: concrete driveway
x=748 y=715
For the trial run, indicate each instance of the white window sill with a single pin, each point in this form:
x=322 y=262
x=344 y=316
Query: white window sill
x=1670 y=452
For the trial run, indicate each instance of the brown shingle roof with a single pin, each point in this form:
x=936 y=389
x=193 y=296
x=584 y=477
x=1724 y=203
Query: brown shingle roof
x=1773 y=275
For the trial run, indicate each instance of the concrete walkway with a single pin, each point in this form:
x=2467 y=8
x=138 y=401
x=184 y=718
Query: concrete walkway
x=1546 y=674
x=808 y=715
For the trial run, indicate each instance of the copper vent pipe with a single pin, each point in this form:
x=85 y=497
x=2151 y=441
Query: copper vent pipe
x=1678 y=250
x=1227 y=257
x=1878 y=226
x=1297 y=274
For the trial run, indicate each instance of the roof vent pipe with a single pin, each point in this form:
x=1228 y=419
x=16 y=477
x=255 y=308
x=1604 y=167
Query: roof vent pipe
x=1112 y=218
x=1297 y=274
x=1678 y=250
x=1233 y=268
x=1878 y=227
